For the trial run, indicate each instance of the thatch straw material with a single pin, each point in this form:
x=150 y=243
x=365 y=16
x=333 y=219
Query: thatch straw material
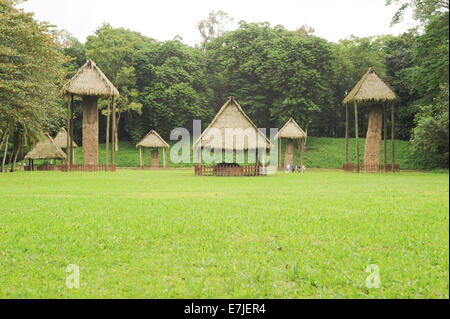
x=90 y=81
x=46 y=149
x=371 y=88
x=232 y=116
x=61 y=139
x=291 y=130
x=153 y=140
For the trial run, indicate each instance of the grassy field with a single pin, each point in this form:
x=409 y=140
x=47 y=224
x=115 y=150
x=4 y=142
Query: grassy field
x=169 y=234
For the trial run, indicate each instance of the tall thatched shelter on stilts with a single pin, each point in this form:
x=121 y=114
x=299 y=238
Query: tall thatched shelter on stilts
x=90 y=83
x=154 y=142
x=372 y=91
x=45 y=150
x=232 y=131
x=61 y=141
x=292 y=133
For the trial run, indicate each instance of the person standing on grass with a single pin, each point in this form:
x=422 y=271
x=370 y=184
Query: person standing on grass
x=303 y=169
x=288 y=168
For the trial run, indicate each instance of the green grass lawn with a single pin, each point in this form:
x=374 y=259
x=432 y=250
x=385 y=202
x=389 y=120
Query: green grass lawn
x=169 y=234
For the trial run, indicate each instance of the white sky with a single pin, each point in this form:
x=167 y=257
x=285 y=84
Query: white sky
x=164 y=19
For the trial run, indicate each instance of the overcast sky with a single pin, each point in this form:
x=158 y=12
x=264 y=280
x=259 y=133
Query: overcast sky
x=164 y=19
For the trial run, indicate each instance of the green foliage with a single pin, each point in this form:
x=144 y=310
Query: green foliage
x=423 y=10
x=432 y=131
x=170 y=234
x=31 y=73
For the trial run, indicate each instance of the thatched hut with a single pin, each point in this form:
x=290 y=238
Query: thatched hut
x=371 y=90
x=154 y=142
x=90 y=83
x=232 y=130
x=45 y=150
x=61 y=141
x=291 y=132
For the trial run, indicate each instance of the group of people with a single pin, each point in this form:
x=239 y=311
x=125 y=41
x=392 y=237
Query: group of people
x=295 y=169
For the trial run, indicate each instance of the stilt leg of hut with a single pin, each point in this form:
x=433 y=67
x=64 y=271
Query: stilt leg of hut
x=143 y=158
x=346 y=133
x=68 y=133
x=113 y=132
x=140 y=157
x=385 y=137
x=107 y=133
x=72 y=124
x=302 y=152
x=164 y=158
x=279 y=153
x=357 y=137
x=393 y=138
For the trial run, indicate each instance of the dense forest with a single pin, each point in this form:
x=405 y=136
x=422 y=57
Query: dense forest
x=273 y=72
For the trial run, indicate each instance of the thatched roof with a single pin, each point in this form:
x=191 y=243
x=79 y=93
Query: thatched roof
x=371 y=88
x=46 y=149
x=61 y=139
x=233 y=125
x=91 y=81
x=291 y=130
x=153 y=139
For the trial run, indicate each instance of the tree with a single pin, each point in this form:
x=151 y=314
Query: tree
x=432 y=131
x=31 y=74
x=274 y=73
x=423 y=10
x=214 y=26
x=116 y=51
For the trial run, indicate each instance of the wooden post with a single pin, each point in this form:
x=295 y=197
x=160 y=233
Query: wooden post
x=114 y=128
x=279 y=152
x=164 y=158
x=72 y=124
x=143 y=157
x=68 y=133
x=140 y=156
x=393 y=137
x=346 y=133
x=302 y=152
x=385 y=137
x=357 y=137
x=107 y=133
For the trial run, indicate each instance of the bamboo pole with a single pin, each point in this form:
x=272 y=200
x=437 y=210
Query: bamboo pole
x=69 y=106
x=279 y=152
x=385 y=137
x=357 y=137
x=71 y=130
x=114 y=128
x=107 y=133
x=302 y=152
x=346 y=133
x=393 y=137
x=164 y=158
x=5 y=153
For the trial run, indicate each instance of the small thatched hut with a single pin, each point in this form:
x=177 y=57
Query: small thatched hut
x=155 y=142
x=61 y=141
x=374 y=92
x=45 y=150
x=232 y=130
x=291 y=132
x=90 y=83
